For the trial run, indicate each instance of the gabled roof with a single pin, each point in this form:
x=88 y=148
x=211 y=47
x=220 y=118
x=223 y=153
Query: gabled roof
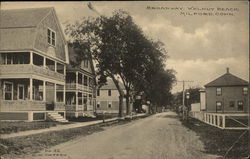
x=227 y=79
x=111 y=85
x=73 y=60
x=18 y=28
x=22 y=18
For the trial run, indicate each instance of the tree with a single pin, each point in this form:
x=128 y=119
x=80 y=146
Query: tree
x=157 y=86
x=121 y=50
x=194 y=96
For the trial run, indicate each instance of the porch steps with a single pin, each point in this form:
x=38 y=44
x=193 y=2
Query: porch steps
x=57 y=117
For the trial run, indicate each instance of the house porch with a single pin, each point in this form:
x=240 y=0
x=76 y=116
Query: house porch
x=30 y=99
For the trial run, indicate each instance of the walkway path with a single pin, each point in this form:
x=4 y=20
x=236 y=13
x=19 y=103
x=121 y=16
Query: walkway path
x=57 y=128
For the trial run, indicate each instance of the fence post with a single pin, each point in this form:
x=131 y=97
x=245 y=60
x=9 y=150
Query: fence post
x=103 y=116
x=218 y=120
x=214 y=119
x=223 y=121
x=209 y=119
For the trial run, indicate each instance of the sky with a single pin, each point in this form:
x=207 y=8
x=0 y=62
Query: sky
x=202 y=38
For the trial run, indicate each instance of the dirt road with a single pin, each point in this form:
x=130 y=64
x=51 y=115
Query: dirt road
x=160 y=136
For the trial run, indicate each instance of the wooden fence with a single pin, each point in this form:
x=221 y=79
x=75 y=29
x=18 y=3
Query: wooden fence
x=236 y=121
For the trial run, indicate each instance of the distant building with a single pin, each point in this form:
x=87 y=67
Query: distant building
x=108 y=99
x=80 y=86
x=228 y=94
x=33 y=58
x=202 y=99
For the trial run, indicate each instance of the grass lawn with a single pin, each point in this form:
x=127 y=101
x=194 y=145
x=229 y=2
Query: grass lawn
x=218 y=141
x=7 y=127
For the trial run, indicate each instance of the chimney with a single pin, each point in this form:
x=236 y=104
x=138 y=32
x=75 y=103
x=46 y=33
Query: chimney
x=227 y=70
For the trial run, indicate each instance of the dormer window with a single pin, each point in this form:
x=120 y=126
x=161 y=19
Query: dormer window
x=51 y=37
x=218 y=91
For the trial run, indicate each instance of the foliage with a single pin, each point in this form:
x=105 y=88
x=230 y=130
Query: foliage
x=194 y=96
x=123 y=53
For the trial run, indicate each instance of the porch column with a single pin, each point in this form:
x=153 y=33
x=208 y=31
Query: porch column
x=55 y=66
x=44 y=91
x=31 y=88
x=76 y=79
x=55 y=93
x=83 y=82
x=64 y=93
x=44 y=62
x=31 y=58
x=88 y=83
x=64 y=70
x=76 y=100
x=82 y=101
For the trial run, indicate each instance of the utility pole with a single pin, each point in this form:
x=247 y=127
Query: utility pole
x=183 y=96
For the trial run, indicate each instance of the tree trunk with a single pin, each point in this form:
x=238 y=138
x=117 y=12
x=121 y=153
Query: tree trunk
x=120 y=106
x=149 y=109
x=121 y=93
x=127 y=104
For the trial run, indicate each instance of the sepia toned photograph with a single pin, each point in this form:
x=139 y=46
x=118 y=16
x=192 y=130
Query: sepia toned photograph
x=124 y=80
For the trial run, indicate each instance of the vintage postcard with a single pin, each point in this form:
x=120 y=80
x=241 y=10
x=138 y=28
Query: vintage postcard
x=124 y=80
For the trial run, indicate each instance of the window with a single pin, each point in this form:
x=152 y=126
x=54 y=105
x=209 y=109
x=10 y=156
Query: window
x=218 y=91
x=9 y=59
x=98 y=105
x=85 y=100
x=8 y=91
x=109 y=92
x=90 y=99
x=60 y=68
x=80 y=102
x=218 y=105
x=98 y=92
x=80 y=78
x=240 y=105
x=231 y=104
x=245 y=90
x=85 y=80
x=59 y=96
x=51 y=37
x=90 y=82
x=20 y=91
x=109 y=105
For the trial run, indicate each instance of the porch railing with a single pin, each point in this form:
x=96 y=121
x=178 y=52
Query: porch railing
x=23 y=69
x=73 y=86
x=22 y=105
x=28 y=105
